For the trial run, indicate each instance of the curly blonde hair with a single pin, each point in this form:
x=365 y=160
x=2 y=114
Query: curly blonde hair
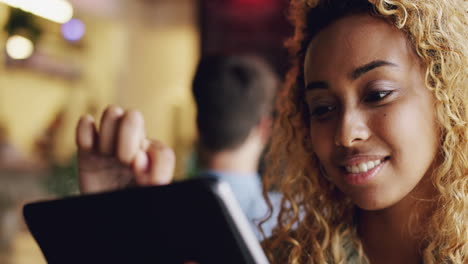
x=316 y=222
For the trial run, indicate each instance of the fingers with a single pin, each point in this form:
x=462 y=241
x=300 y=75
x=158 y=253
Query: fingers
x=141 y=166
x=86 y=133
x=121 y=140
x=108 y=129
x=130 y=135
x=120 y=133
x=155 y=166
x=162 y=163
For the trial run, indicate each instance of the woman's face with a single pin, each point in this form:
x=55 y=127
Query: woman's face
x=372 y=121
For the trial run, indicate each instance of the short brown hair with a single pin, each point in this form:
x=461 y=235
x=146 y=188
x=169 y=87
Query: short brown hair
x=232 y=94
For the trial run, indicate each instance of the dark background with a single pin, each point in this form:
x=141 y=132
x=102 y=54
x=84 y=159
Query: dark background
x=249 y=26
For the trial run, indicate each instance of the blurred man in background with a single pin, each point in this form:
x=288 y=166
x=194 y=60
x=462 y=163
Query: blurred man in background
x=234 y=96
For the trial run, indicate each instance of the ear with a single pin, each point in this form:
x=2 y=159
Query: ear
x=264 y=128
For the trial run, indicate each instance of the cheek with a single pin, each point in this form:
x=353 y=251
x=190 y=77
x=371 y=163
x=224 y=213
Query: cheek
x=410 y=132
x=321 y=136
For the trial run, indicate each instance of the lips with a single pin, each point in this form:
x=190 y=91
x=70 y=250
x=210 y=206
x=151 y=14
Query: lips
x=360 y=170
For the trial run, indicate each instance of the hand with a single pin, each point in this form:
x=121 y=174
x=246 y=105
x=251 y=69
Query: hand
x=118 y=155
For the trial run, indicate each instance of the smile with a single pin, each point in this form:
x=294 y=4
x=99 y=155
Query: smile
x=362 y=173
x=362 y=167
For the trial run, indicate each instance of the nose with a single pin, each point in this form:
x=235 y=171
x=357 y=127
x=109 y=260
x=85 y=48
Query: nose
x=352 y=129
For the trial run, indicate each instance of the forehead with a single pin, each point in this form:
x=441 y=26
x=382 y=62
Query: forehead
x=353 y=41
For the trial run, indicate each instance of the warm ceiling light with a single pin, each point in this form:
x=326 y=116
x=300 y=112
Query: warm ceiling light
x=18 y=47
x=59 y=11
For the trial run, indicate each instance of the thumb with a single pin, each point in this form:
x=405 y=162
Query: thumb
x=155 y=165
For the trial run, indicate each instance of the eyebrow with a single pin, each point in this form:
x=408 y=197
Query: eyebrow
x=316 y=85
x=359 y=71
x=355 y=74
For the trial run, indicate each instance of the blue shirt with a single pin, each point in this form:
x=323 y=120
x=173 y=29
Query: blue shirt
x=247 y=188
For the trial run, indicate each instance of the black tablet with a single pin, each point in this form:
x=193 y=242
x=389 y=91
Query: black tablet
x=197 y=220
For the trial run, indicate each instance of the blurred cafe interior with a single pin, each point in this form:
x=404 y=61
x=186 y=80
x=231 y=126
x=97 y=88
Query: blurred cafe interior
x=63 y=58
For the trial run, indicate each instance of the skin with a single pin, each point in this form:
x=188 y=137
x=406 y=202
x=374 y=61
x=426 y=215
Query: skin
x=118 y=154
x=381 y=112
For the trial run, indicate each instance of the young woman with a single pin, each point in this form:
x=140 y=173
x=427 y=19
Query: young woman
x=370 y=151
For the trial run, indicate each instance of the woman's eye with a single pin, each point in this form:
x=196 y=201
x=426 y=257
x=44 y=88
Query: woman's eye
x=321 y=112
x=376 y=96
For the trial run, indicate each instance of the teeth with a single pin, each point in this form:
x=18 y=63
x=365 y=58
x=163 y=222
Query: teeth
x=362 y=167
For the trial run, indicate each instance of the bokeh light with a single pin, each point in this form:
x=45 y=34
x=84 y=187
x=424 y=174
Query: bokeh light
x=73 y=30
x=18 y=47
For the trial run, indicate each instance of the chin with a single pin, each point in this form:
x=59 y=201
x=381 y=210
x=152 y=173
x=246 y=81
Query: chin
x=374 y=203
x=370 y=207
